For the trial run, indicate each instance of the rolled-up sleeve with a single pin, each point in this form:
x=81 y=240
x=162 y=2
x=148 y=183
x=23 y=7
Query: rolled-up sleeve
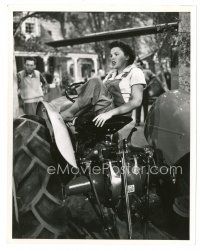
x=137 y=77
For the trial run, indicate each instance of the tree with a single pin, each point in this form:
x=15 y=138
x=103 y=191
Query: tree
x=166 y=40
x=93 y=22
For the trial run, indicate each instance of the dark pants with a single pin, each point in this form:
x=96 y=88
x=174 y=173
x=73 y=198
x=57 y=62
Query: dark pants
x=94 y=95
x=145 y=108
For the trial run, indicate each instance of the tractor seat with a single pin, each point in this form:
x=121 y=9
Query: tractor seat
x=84 y=124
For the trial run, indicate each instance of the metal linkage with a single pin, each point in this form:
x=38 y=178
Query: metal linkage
x=101 y=213
x=149 y=153
x=124 y=174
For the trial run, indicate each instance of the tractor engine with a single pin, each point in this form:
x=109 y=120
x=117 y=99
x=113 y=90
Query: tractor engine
x=103 y=163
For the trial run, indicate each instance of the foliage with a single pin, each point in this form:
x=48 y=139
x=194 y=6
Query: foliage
x=93 y=22
x=35 y=43
x=165 y=41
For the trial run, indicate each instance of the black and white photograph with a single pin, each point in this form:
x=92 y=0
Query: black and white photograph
x=101 y=124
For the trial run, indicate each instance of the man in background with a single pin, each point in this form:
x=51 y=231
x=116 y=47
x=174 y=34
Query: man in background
x=30 y=83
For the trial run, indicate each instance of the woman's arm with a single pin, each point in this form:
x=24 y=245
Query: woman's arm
x=135 y=101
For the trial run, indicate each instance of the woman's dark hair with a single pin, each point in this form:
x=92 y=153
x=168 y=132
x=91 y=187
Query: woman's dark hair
x=126 y=49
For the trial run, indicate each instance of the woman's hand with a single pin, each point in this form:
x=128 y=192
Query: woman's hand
x=102 y=118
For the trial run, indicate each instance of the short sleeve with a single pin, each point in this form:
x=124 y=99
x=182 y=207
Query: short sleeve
x=137 y=77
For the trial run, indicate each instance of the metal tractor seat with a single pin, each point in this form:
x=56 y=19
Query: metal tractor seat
x=84 y=124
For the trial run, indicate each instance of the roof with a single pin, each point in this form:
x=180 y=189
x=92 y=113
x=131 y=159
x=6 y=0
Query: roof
x=116 y=34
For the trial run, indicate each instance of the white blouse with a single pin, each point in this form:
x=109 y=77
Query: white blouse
x=131 y=75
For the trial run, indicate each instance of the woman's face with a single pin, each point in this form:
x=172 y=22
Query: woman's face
x=118 y=58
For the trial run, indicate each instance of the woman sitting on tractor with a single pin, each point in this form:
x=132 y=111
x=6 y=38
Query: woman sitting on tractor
x=120 y=93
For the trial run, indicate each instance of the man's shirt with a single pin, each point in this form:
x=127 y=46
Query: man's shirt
x=33 y=75
x=30 y=85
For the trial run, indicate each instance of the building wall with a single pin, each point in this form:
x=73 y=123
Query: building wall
x=53 y=27
x=36 y=23
x=60 y=64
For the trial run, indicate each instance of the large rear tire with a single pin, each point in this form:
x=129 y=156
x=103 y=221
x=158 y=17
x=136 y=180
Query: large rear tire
x=38 y=203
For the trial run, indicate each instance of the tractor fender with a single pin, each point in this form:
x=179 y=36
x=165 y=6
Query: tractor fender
x=60 y=132
x=167 y=126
